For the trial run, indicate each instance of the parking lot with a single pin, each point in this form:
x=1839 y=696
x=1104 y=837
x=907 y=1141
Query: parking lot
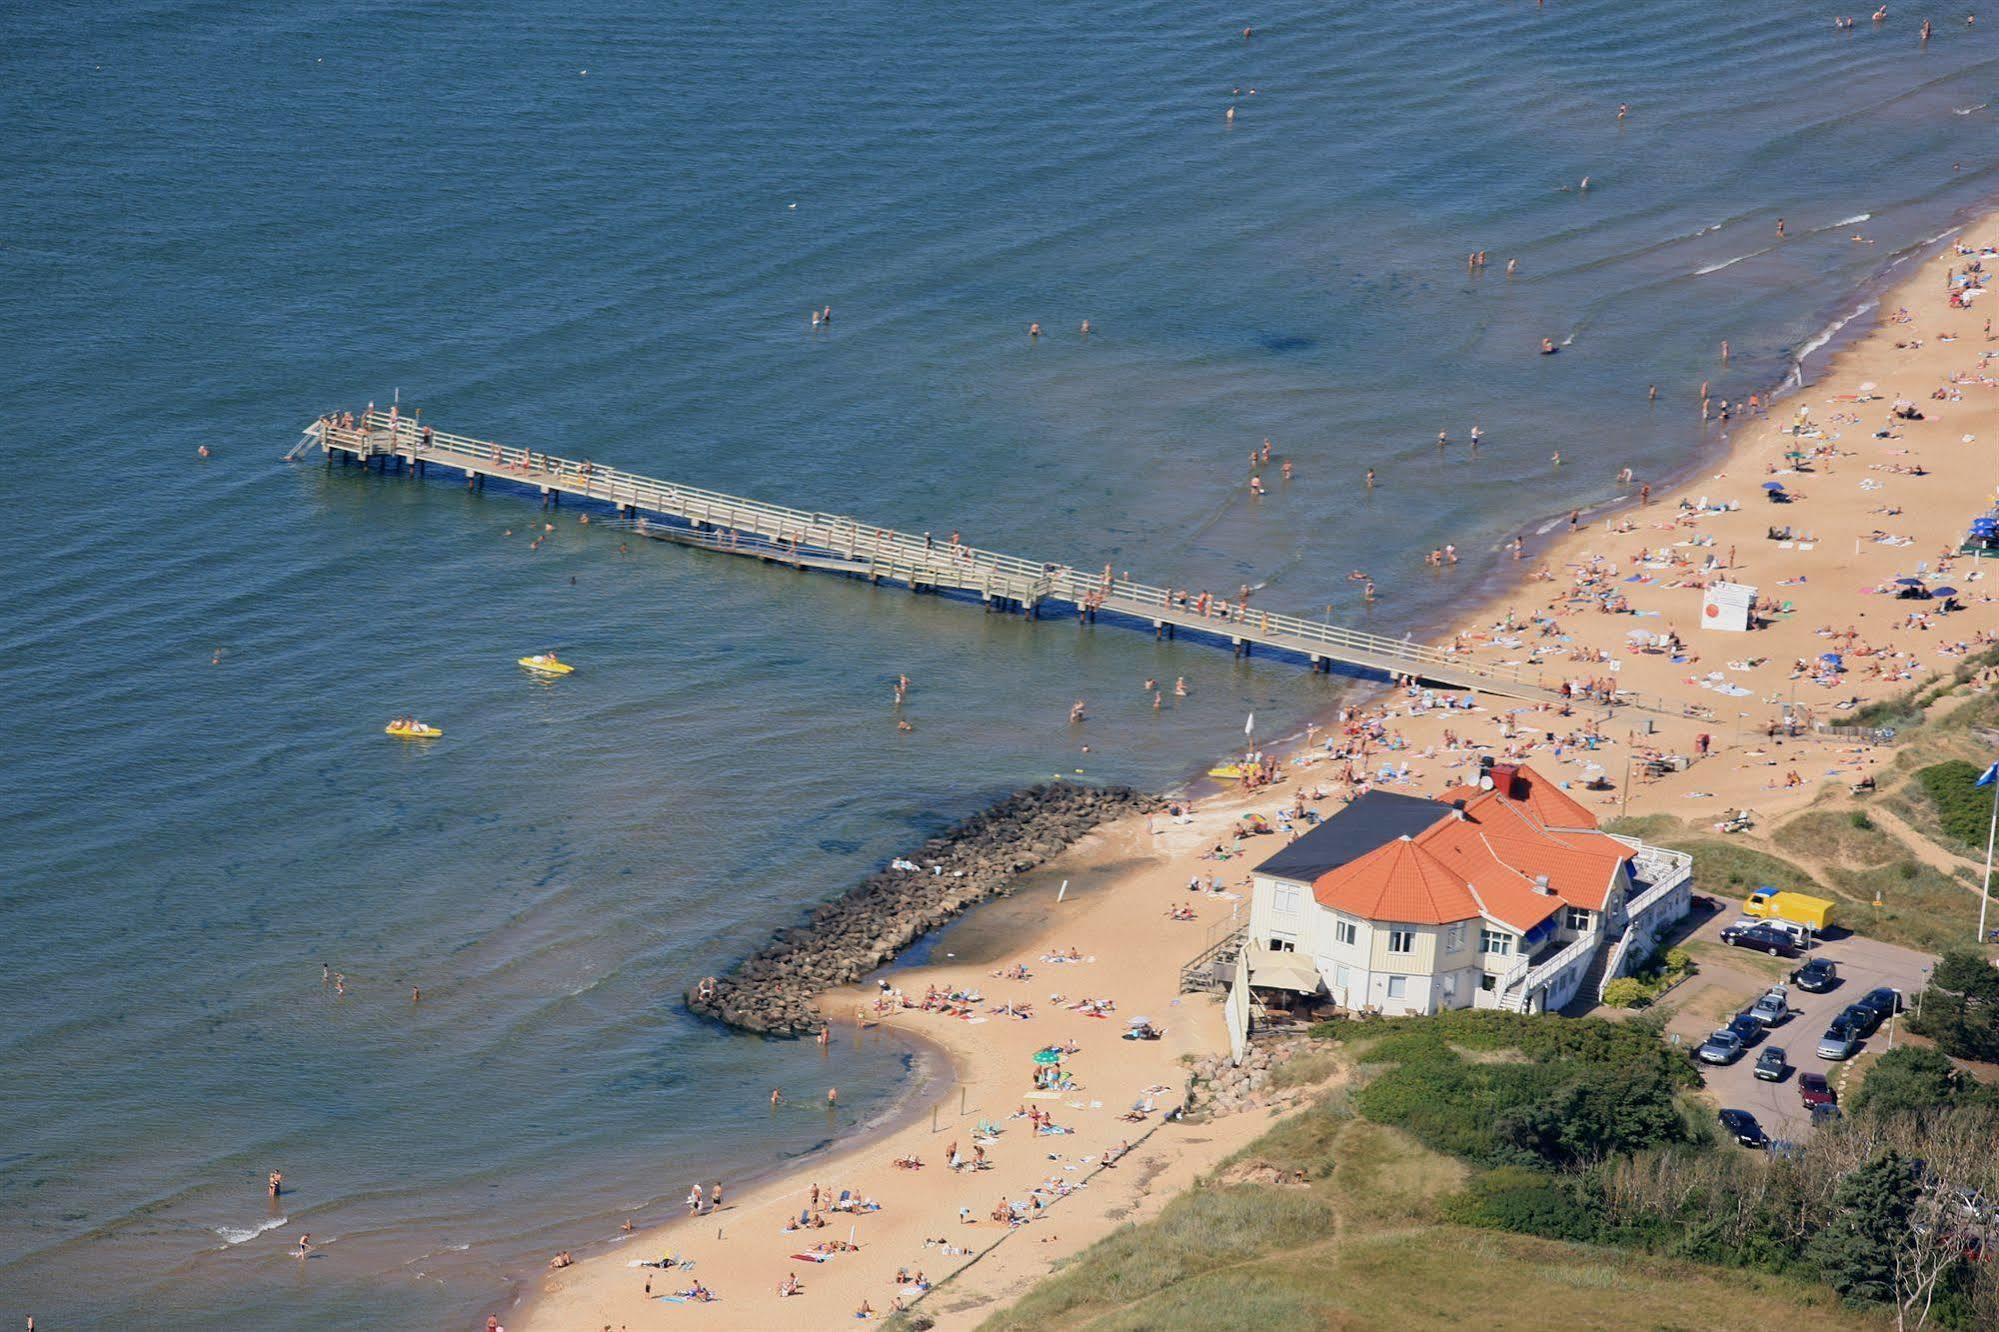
x=1730 y=979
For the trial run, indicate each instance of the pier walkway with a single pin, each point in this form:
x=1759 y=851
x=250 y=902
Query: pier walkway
x=730 y=524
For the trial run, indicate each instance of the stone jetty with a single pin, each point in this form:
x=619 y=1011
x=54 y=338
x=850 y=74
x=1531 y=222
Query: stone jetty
x=771 y=992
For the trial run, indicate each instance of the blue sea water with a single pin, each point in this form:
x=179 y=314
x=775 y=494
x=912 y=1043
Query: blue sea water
x=597 y=229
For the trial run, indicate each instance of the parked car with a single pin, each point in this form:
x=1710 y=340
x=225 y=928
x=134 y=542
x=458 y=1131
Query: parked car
x=1746 y=1028
x=1840 y=1039
x=1761 y=936
x=1883 y=1001
x=1772 y=1064
x=1825 y=1113
x=1863 y=1018
x=1816 y=976
x=1742 y=1126
x=1773 y=1007
x=1815 y=1091
x=1723 y=1047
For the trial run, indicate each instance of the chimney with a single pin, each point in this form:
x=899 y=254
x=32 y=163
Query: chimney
x=1541 y=886
x=1506 y=780
x=1457 y=809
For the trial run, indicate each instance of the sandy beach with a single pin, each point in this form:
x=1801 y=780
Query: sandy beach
x=1876 y=497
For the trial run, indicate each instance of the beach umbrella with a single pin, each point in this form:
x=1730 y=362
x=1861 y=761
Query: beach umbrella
x=1943 y=591
x=1045 y=1057
x=1868 y=387
x=1908 y=582
x=1138 y=1022
x=1773 y=485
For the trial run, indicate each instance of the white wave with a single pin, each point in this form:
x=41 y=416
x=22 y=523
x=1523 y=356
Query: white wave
x=236 y=1235
x=1856 y=219
x=1967 y=110
x=1831 y=330
x=1726 y=263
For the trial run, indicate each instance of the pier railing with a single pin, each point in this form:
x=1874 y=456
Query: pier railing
x=921 y=560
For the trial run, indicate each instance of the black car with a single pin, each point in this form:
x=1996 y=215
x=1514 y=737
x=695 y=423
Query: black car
x=1863 y=1018
x=1772 y=1064
x=1882 y=1000
x=1763 y=938
x=1742 y=1126
x=1746 y=1028
x=1816 y=976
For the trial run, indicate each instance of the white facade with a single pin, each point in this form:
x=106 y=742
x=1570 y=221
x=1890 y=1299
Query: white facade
x=1400 y=968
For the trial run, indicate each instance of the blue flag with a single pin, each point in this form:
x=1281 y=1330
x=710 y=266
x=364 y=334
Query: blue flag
x=1989 y=776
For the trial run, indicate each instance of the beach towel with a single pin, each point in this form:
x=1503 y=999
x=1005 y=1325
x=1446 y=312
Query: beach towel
x=813 y=1257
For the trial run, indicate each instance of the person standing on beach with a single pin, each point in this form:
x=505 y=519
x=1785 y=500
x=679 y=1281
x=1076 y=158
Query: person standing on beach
x=1780 y=228
x=1370 y=471
x=832 y=1097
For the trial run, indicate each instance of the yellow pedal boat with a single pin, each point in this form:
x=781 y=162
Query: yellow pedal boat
x=413 y=731
x=547 y=664
x=1226 y=770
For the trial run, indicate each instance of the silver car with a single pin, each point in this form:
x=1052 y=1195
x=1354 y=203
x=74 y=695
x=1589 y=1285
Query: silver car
x=1724 y=1047
x=1773 y=1008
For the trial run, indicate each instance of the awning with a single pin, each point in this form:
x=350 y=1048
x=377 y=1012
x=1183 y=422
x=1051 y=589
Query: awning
x=1282 y=971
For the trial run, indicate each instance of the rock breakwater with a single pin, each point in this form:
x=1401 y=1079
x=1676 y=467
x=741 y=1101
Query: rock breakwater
x=772 y=991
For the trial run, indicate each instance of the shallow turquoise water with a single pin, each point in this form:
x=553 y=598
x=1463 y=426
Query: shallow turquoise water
x=221 y=222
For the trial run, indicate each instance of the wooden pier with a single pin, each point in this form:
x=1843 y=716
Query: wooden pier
x=730 y=524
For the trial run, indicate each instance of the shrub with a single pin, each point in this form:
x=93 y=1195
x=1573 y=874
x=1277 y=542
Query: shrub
x=1625 y=992
x=1960 y=1007
x=1964 y=810
x=1526 y=1201
x=1679 y=959
x=1860 y=820
x=1910 y=1080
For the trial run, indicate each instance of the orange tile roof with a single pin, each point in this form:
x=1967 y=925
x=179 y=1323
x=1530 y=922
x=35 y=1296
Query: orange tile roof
x=1503 y=892
x=1548 y=804
x=1484 y=863
x=1397 y=881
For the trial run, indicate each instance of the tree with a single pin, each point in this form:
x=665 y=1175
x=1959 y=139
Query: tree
x=1604 y=1111
x=1857 y=1250
x=1910 y=1080
x=1960 y=1008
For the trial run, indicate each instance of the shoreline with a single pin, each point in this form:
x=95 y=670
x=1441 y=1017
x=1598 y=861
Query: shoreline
x=1726 y=464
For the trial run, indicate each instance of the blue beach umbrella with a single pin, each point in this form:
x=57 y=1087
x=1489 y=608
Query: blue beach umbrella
x=1773 y=485
x=1045 y=1057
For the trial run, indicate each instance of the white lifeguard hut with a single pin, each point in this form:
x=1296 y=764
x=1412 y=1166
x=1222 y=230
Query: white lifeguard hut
x=1727 y=606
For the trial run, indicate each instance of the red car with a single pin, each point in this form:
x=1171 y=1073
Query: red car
x=1815 y=1091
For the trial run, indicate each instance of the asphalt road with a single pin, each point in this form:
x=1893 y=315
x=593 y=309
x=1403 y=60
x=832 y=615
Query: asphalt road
x=1863 y=965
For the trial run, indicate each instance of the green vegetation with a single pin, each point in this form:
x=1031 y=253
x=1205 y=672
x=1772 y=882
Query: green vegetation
x=1833 y=838
x=1959 y=1009
x=1388 y=1254
x=1580 y=1090
x=1913 y=1080
x=1656 y=975
x=1962 y=807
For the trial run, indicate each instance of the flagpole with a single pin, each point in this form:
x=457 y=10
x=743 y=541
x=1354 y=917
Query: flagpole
x=1985 y=891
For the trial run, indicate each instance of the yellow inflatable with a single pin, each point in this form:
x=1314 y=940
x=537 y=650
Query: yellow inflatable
x=546 y=663
x=1231 y=770
x=414 y=730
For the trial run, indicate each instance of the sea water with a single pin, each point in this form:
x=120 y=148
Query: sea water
x=597 y=229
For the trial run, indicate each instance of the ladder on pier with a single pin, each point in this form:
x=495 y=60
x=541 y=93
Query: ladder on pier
x=731 y=524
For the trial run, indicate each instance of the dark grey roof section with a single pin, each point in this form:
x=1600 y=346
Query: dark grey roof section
x=1375 y=819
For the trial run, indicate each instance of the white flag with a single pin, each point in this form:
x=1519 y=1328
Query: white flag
x=1249 y=726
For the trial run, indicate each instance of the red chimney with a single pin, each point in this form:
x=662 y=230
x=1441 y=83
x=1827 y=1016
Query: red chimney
x=1507 y=781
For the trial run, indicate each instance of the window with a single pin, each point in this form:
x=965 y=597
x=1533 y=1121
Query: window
x=1345 y=931
x=1497 y=942
x=1284 y=898
x=1401 y=941
x=1579 y=919
x=1343 y=977
x=1280 y=944
x=1488 y=983
x=1450 y=986
x=1398 y=987
x=1454 y=937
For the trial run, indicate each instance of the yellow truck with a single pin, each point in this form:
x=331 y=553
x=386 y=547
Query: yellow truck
x=1814 y=913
